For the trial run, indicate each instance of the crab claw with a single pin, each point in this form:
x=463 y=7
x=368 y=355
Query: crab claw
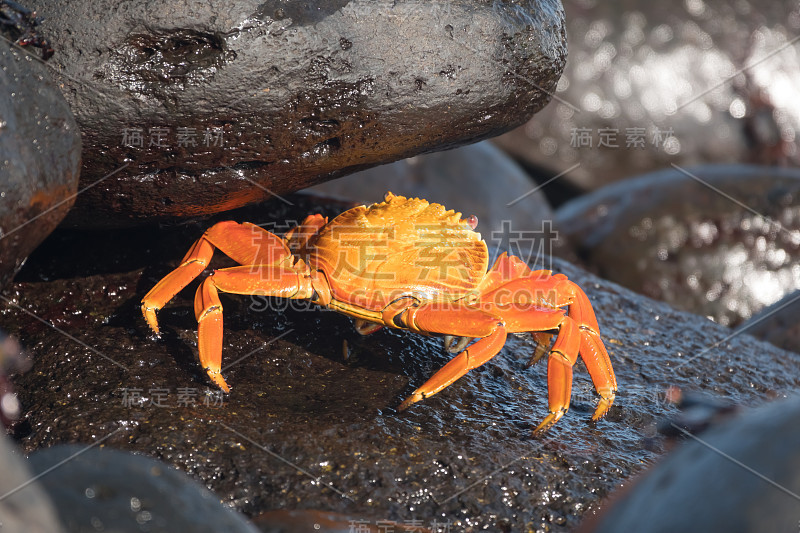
x=365 y=327
x=455 y=344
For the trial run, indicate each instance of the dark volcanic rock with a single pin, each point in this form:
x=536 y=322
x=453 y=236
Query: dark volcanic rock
x=743 y=477
x=720 y=241
x=657 y=82
x=40 y=153
x=101 y=489
x=212 y=105
x=305 y=428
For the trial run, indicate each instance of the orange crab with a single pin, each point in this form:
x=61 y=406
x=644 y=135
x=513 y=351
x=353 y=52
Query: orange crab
x=406 y=264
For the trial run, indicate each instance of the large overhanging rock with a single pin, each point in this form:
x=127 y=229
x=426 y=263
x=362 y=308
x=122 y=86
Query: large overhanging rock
x=39 y=157
x=212 y=105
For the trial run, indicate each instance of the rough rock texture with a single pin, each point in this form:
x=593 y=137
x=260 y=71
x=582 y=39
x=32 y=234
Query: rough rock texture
x=481 y=180
x=697 y=488
x=39 y=157
x=720 y=241
x=101 y=489
x=465 y=456
x=212 y=105
x=723 y=77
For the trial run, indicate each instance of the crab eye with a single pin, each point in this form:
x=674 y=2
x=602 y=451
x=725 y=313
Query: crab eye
x=472 y=221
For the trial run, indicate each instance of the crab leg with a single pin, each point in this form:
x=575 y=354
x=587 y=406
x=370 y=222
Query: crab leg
x=473 y=357
x=244 y=243
x=593 y=352
x=208 y=312
x=264 y=280
x=468 y=321
x=559 y=372
x=192 y=265
x=454 y=318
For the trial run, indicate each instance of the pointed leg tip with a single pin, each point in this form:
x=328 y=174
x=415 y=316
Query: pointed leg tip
x=603 y=407
x=548 y=422
x=150 y=317
x=411 y=400
x=541 y=429
x=218 y=380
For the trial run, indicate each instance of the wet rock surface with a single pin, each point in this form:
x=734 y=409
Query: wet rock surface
x=39 y=157
x=700 y=487
x=101 y=489
x=464 y=457
x=209 y=106
x=648 y=84
x=721 y=241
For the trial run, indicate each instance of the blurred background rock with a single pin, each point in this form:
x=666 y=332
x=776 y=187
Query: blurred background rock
x=655 y=83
